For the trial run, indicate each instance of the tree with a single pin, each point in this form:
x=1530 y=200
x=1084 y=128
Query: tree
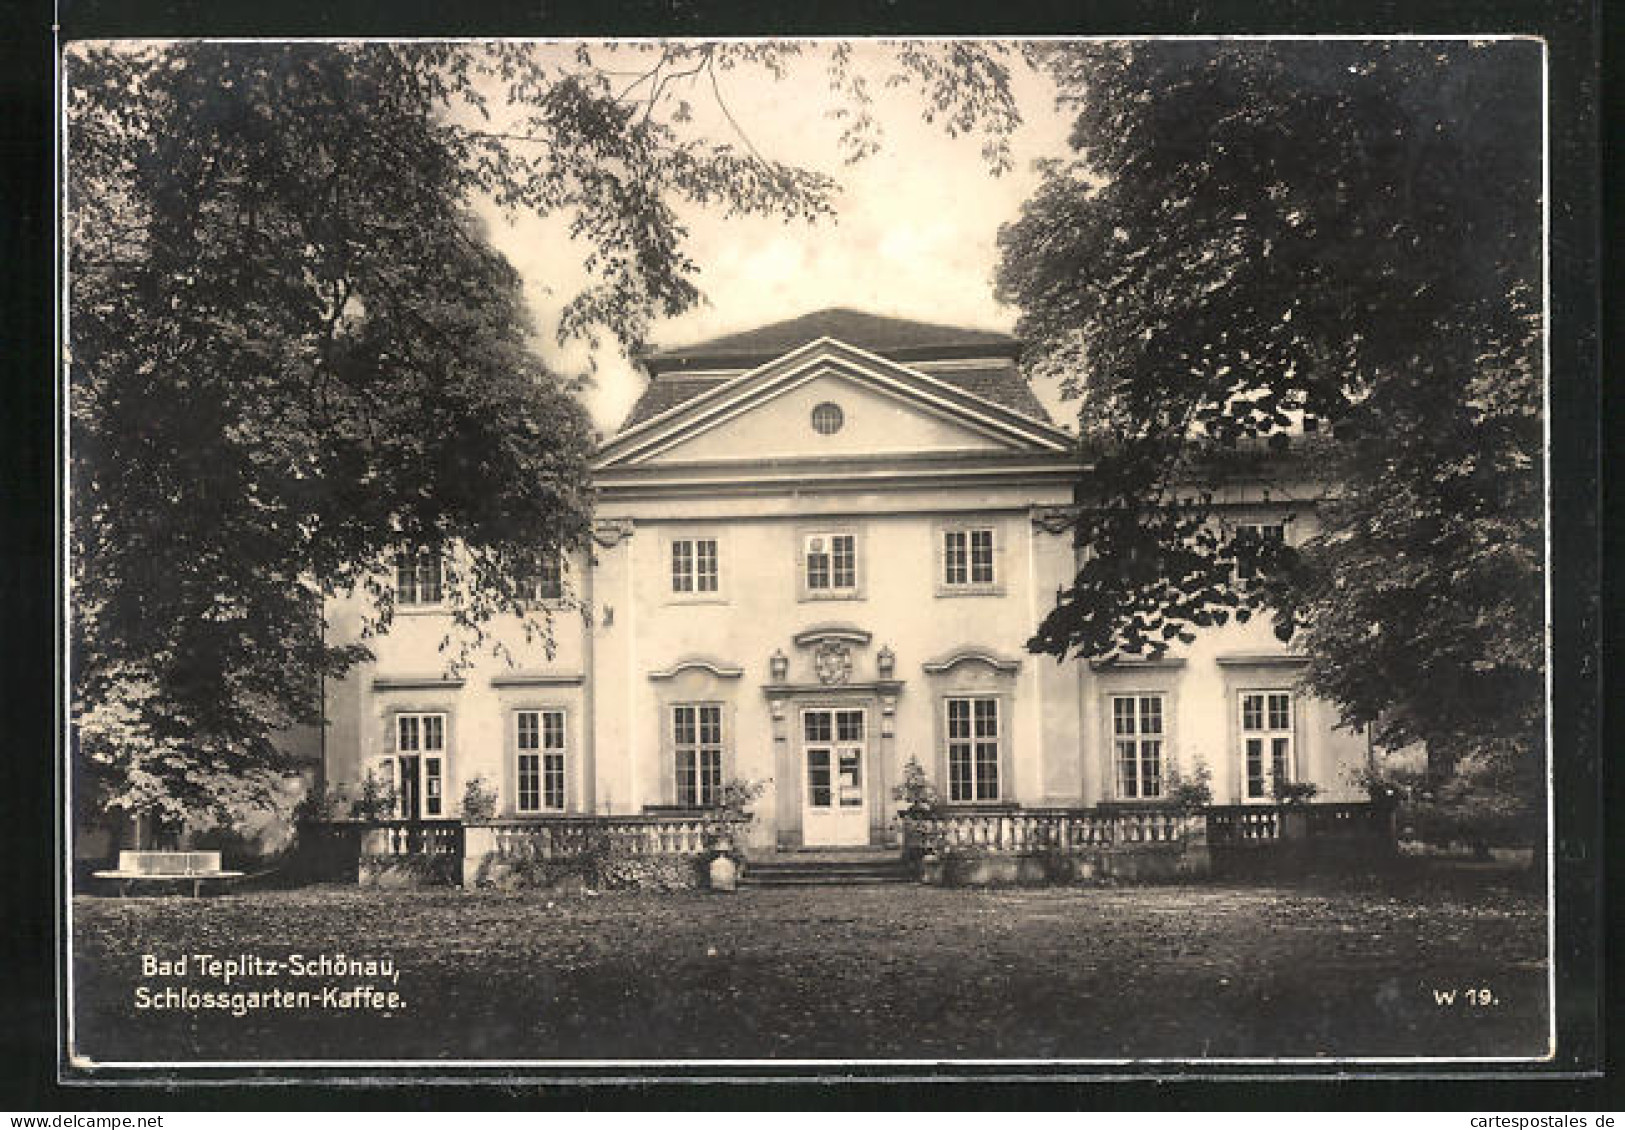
x=294 y=354
x=1250 y=232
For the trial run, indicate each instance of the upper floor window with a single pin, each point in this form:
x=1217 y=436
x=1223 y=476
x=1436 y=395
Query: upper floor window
x=973 y=748
x=830 y=561
x=967 y=559
x=827 y=418
x=1137 y=739
x=539 y=742
x=418 y=579
x=967 y=556
x=543 y=578
x=694 y=565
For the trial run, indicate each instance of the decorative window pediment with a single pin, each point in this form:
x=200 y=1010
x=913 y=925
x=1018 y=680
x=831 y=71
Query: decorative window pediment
x=985 y=656
x=716 y=667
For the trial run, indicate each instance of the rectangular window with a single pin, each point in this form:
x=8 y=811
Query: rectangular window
x=694 y=565
x=539 y=739
x=418 y=579
x=1137 y=739
x=544 y=578
x=955 y=558
x=831 y=562
x=697 y=744
x=1261 y=531
x=969 y=555
x=1266 y=742
x=420 y=751
x=973 y=749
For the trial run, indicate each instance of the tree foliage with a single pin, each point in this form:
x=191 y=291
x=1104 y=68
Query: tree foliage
x=1251 y=232
x=294 y=353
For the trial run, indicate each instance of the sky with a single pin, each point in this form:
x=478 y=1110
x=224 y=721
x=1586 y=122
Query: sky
x=913 y=235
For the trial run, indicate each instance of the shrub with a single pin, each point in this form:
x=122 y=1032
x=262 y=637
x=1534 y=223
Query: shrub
x=738 y=794
x=319 y=804
x=479 y=800
x=916 y=794
x=1295 y=792
x=1195 y=791
x=1484 y=803
x=377 y=800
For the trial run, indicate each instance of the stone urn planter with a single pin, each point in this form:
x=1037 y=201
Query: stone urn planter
x=723 y=873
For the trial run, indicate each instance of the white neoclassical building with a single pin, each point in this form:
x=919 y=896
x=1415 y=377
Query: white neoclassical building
x=820 y=548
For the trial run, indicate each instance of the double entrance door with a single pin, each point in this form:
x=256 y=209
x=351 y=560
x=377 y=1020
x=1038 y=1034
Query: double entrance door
x=834 y=775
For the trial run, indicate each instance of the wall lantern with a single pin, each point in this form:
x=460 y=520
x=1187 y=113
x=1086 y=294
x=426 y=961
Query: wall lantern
x=885 y=661
x=779 y=665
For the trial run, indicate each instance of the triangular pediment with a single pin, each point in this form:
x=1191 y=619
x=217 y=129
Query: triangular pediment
x=885 y=409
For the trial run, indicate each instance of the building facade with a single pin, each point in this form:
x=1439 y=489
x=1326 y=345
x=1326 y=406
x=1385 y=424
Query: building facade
x=820 y=548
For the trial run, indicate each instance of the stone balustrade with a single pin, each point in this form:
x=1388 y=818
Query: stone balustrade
x=417 y=852
x=412 y=838
x=1242 y=824
x=1063 y=831
x=569 y=837
x=1134 y=842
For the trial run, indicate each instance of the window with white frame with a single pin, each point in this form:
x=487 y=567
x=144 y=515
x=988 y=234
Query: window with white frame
x=419 y=579
x=973 y=748
x=543 y=578
x=1137 y=743
x=420 y=754
x=695 y=566
x=967 y=557
x=539 y=742
x=696 y=737
x=1266 y=743
x=830 y=563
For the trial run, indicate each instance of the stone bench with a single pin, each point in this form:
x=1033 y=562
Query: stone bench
x=195 y=867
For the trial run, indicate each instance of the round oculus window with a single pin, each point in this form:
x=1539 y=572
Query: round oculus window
x=827 y=419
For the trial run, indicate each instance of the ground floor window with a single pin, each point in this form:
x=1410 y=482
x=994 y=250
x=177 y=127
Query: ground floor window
x=420 y=765
x=697 y=743
x=973 y=749
x=539 y=736
x=1137 y=736
x=1266 y=742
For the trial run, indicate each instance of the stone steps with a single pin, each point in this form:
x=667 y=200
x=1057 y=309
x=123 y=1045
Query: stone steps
x=827 y=869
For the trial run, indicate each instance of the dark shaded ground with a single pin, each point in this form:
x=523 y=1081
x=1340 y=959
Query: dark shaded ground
x=1311 y=968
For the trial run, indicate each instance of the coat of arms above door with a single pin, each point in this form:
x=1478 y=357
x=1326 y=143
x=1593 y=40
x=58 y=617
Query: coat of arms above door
x=833 y=662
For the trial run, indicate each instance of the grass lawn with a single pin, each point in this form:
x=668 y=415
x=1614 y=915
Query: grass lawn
x=1310 y=968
